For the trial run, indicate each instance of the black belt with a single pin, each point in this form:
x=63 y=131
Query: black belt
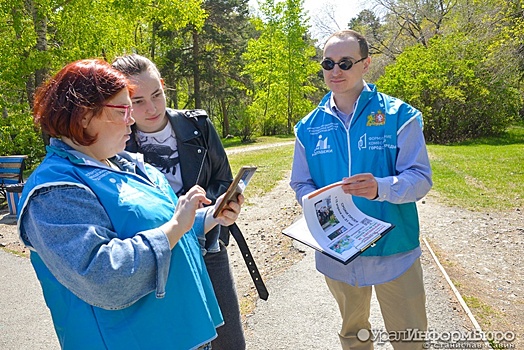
x=250 y=262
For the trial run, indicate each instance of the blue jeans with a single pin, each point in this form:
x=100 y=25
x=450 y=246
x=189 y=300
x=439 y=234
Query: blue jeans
x=230 y=335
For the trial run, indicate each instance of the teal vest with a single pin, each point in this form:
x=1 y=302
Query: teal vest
x=183 y=318
x=369 y=146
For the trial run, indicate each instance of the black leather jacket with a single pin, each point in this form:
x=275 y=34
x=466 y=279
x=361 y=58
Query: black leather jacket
x=203 y=160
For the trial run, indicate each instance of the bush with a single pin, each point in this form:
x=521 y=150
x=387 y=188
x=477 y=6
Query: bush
x=451 y=83
x=18 y=135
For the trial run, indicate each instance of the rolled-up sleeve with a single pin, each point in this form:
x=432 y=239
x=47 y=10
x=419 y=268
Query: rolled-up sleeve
x=199 y=226
x=72 y=234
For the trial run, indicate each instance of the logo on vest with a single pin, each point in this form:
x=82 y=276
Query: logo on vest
x=376 y=119
x=376 y=143
x=362 y=142
x=127 y=193
x=322 y=146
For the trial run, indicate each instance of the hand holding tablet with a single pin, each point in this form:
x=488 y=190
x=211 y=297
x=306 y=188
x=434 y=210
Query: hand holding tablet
x=237 y=187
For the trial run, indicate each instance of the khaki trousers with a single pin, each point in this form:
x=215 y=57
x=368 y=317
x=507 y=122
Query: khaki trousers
x=402 y=303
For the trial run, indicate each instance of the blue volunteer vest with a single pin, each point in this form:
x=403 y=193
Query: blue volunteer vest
x=184 y=318
x=369 y=146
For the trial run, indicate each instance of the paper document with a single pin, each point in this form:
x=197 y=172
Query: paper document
x=333 y=225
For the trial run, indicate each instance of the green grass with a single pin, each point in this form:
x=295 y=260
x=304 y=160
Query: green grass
x=483 y=310
x=273 y=165
x=485 y=174
x=235 y=142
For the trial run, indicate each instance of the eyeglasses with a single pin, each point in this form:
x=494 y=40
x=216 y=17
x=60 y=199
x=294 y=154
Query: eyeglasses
x=344 y=64
x=127 y=113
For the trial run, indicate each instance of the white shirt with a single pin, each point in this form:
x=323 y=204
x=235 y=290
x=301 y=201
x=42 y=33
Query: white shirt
x=160 y=150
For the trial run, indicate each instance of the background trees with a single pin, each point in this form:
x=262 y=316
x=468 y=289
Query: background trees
x=459 y=61
x=453 y=85
x=454 y=60
x=40 y=36
x=279 y=62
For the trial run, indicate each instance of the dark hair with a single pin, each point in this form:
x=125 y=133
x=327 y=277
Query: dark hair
x=134 y=64
x=81 y=87
x=348 y=33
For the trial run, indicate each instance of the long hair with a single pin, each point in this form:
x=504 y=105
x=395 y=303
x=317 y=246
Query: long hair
x=134 y=64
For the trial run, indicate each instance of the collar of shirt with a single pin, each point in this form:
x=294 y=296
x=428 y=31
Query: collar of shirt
x=345 y=118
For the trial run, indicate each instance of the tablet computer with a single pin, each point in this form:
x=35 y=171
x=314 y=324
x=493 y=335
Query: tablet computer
x=238 y=186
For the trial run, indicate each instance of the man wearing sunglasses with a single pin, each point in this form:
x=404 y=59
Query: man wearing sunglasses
x=374 y=144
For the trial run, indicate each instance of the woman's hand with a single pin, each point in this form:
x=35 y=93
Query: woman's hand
x=227 y=216
x=230 y=212
x=184 y=216
x=187 y=205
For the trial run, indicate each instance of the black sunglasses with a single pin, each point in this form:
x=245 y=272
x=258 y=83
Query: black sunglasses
x=344 y=64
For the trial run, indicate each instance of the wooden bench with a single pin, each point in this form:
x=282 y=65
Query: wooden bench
x=11 y=171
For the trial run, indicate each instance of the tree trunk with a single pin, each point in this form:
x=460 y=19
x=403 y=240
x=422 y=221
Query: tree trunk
x=152 y=48
x=40 y=74
x=225 y=118
x=196 y=71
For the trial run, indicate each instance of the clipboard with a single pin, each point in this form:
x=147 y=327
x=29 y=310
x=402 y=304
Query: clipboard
x=300 y=232
x=237 y=187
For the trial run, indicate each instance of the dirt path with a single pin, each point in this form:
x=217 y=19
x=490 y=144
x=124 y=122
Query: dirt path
x=482 y=253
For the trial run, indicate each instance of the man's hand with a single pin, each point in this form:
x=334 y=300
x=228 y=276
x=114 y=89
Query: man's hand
x=361 y=185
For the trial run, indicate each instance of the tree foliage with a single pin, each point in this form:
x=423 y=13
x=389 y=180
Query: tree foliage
x=40 y=36
x=202 y=65
x=450 y=82
x=280 y=65
x=460 y=61
x=18 y=136
x=508 y=46
x=222 y=40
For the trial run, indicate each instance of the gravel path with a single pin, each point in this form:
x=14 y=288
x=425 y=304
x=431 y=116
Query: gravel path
x=301 y=314
x=482 y=252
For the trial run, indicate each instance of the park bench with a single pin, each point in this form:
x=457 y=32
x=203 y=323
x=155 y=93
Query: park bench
x=11 y=172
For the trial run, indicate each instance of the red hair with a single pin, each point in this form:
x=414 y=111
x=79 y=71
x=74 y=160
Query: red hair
x=80 y=88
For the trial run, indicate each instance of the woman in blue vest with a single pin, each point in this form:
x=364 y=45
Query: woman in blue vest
x=115 y=250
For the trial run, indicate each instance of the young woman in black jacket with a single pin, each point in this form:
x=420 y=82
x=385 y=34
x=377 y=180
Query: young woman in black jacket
x=185 y=146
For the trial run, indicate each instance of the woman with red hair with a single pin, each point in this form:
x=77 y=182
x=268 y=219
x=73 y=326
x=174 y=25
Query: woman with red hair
x=115 y=250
